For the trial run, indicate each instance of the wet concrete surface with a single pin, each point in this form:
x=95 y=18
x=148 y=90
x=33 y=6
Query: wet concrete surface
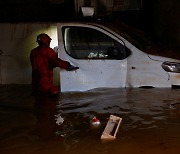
x=151 y=121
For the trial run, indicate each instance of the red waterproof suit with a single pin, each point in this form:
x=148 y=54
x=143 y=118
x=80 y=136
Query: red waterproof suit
x=43 y=60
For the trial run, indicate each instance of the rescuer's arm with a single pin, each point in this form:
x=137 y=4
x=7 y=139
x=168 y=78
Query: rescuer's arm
x=57 y=62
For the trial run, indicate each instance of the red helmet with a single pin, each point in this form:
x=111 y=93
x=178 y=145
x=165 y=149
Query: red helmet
x=43 y=38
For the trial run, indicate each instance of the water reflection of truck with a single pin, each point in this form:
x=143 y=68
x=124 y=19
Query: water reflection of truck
x=107 y=58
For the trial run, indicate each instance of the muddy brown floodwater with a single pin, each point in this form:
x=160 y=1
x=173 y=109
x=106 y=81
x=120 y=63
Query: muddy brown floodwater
x=29 y=125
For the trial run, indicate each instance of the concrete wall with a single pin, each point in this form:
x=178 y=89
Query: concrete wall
x=16 y=42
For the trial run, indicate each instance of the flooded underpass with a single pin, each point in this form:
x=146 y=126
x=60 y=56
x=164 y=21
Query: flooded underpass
x=41 y=125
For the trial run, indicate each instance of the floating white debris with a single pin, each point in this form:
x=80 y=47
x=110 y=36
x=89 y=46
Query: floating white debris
x=111 y=128
x=174 y=105
x=59 y=119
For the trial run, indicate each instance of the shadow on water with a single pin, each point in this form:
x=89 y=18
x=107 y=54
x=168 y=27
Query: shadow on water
x=62 y=124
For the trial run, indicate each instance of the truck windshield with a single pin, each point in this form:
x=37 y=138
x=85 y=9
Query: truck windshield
x=131 y=35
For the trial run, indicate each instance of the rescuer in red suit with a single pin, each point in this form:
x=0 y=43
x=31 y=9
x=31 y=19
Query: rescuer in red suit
x=43 y=60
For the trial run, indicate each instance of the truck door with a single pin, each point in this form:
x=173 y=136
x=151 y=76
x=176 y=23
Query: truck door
x=100 y=56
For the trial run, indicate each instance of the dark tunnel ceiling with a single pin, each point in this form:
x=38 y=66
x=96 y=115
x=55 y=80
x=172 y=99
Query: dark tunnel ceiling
x=159 y=18
x=34 y=10
x=30 y=1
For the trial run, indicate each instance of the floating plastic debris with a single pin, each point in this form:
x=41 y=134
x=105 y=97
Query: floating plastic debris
x=95 y=122
x=171 y=106
x=59 y=119
x=111 y=128
x=174 y=105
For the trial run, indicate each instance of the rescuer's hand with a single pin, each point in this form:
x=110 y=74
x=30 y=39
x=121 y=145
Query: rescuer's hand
x=72 y=68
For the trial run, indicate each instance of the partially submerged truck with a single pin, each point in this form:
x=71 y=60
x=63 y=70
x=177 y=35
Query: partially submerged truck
x=108 y=59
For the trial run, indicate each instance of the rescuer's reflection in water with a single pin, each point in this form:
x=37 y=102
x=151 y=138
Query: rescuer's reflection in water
x=45 y=110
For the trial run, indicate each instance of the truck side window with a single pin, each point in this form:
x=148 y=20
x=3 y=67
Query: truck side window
x=88 y=43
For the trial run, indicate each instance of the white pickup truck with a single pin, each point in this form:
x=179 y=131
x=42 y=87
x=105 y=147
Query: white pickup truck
x=107 y=59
